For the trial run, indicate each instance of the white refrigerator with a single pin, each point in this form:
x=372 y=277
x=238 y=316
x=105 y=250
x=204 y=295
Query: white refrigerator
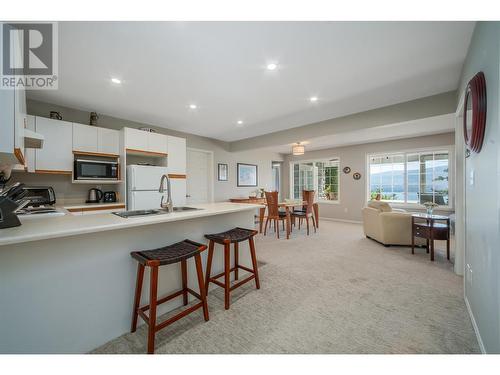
x=143 y=183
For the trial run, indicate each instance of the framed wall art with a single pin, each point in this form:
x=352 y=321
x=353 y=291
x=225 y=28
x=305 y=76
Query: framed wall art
x=246 y=175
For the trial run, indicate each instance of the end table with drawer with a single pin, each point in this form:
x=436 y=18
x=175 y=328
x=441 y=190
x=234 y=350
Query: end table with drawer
x=430 y=227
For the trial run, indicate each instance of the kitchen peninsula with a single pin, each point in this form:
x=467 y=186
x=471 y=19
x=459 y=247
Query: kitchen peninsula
x=67 y=283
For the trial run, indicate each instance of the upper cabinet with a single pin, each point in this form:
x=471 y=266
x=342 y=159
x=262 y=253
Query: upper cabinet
x=139 y=141
x=95 y=140
x=56 y=156
x=108 y=141
x=176 y=155
x=84 y=138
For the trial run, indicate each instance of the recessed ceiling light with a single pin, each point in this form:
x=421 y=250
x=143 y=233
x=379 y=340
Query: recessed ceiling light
x=272 y=66
x=193 y=106
x=239 y=122
x=313 y=99
x=116 y=80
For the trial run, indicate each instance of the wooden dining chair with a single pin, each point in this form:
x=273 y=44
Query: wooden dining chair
x=303 y=208
x=307 y=212
x=274 y=215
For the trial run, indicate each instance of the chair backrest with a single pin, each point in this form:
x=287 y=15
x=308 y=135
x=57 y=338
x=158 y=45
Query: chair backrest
x=272 y=203
x=308 y=196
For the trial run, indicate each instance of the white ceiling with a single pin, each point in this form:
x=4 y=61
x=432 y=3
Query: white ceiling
x=416 y=128
x=220 y=66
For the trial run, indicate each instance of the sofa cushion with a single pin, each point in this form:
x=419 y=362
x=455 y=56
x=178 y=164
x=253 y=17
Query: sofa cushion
x=381 y=206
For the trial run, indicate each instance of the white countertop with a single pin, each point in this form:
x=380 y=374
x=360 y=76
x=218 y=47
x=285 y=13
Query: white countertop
x=70 y=225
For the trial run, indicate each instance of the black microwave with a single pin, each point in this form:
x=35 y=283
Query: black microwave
x=86 y=169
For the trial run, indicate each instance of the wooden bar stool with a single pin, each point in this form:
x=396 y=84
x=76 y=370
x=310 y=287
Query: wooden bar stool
x=234 y=236
x=178 y=252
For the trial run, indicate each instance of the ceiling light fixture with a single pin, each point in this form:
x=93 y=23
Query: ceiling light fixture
x=298 y=149
x=272 y=66
x=239 y=122
x=313 y=99
x=116 y=80
x=193 y=106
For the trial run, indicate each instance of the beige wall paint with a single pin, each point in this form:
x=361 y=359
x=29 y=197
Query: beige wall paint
x=222 y=190
x=353 y=193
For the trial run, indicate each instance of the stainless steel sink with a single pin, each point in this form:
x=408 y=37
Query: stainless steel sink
x=183 y=208
x=133 y=213
x=160 y=211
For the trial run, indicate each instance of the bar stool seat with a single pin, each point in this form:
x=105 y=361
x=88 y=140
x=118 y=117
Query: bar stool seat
x=178 y=252
x=233 y=236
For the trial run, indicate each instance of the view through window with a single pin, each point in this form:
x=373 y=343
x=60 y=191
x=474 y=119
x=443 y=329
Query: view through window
x=322 y=176
x=411 y=177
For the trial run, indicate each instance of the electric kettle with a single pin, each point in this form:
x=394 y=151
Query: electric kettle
x=94 y=196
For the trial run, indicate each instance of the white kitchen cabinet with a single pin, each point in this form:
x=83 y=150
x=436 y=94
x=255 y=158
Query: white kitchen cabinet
x=56 y=156
x=178 y=186
x=7 y=108
x=136 y=139
x=157 y=143
x=176 y=155
x=30 y=152
x=146 y=142
x=108 y=141
x=84 y=138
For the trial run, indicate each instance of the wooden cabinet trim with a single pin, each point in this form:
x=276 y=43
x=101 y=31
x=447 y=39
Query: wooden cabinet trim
x=96 y=208
x=19 y=155
x=76 y=152
x=47 y=171
x=151 y=153
x=172 y=175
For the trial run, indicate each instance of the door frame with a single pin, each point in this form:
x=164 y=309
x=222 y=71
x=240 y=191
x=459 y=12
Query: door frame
x=211 y=184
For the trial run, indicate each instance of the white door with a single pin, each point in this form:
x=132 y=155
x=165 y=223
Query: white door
x=144 y=200
x=198 y=176
x=142 y=177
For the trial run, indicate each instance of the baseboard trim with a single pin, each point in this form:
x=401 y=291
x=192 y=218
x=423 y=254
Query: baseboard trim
x=474 y=325
x=340 y=220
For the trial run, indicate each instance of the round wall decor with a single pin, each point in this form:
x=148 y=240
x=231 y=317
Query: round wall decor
x=356 y=176
x=475 y=112
x=347 y=170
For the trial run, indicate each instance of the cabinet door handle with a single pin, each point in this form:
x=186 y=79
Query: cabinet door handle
x=188 y=196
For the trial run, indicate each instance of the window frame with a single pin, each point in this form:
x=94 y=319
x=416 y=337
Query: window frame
x=451 y=174
x=321 y=160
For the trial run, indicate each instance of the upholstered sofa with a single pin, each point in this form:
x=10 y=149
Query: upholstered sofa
x=387 y=225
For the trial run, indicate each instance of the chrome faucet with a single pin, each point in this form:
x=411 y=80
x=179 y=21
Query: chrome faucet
x=168 y=205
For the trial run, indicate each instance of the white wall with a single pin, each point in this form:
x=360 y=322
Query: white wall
x=353 y=193
x=482 y=203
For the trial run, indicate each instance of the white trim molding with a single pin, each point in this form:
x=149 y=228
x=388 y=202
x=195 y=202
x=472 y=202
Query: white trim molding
x=474 y=326
x=340 y=220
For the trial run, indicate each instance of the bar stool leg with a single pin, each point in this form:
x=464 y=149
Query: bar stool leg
x=254 y=262
x=236 y=260
x=209 y=265
x=184 y=282
x=137 y=298
x=153 y=289
x=201 y=285
x=227 y=274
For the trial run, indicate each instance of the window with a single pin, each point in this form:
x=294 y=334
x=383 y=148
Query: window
x=322 y=176
x=410 y=177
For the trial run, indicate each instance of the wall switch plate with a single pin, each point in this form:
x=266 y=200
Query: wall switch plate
x=471 y=178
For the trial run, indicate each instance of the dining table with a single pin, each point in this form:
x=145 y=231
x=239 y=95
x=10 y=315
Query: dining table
x=287 y=205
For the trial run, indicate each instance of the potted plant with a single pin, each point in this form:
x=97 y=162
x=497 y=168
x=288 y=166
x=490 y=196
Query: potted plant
x=430 y=206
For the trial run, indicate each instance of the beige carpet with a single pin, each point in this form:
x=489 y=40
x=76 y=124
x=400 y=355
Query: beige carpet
x=331 y=292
